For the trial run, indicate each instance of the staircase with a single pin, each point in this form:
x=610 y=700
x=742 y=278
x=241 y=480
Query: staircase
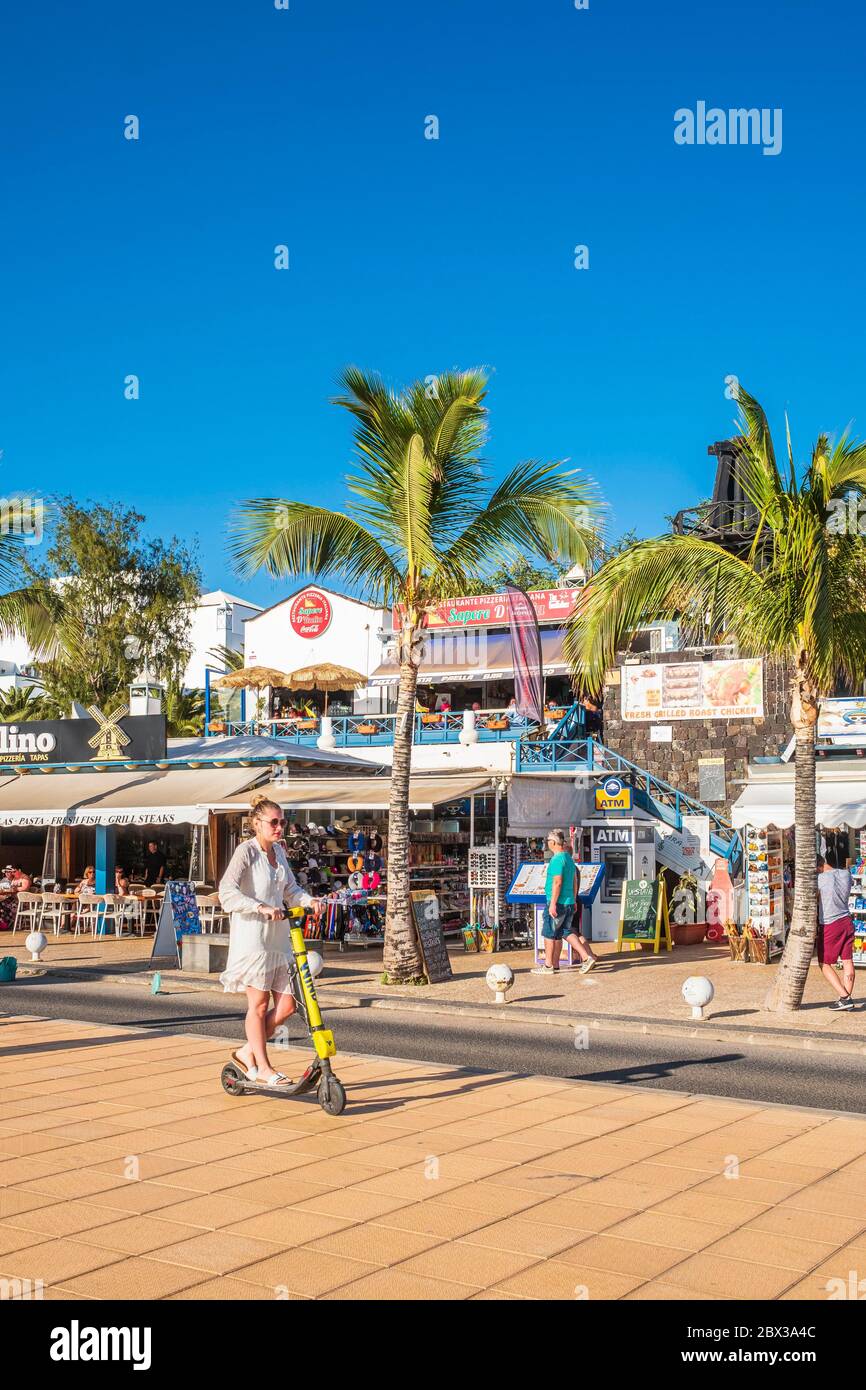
x=649 y=792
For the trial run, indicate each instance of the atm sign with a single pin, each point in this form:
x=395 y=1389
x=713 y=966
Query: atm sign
x=613 y=795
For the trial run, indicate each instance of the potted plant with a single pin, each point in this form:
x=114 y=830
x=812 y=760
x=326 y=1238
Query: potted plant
x=685 y=929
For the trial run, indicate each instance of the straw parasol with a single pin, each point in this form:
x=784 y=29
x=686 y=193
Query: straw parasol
x=252 y=678
x=325 y=677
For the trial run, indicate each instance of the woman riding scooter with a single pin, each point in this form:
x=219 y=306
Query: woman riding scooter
x=256 y=888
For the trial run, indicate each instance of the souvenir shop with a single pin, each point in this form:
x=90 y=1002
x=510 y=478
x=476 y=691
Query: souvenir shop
x=337 y=844
x=764 y=814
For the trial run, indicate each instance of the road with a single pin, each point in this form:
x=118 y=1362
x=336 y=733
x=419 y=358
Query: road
x=783 y=1075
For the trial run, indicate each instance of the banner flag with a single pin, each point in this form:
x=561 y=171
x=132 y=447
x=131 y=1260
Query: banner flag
x=526 y=655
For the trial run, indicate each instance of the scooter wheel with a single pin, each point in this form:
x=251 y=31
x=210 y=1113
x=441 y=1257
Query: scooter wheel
x=332 y=1096
x=232 y=1081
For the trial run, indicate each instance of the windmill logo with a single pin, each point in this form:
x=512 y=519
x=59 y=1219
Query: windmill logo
x=109 y=740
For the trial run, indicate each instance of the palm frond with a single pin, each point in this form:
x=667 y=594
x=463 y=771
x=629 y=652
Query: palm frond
x=294 y=539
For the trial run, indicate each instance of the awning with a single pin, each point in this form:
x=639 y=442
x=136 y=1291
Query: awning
x=171 y=797
x=839 y=802
x=474 y=656
x=537 y=805
x=362 y=793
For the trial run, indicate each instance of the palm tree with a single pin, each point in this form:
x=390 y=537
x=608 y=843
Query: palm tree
x=23 y=703
x=184 y=712
x=423 y=519
x=796 y=595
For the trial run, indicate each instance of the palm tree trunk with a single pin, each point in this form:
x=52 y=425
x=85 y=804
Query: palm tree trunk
x=786 y=992
x=402 y=959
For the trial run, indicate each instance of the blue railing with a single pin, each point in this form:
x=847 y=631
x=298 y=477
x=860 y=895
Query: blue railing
x=651 y=793
x=377 y=730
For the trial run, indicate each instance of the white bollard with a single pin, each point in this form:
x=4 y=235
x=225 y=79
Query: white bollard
x=698 y=992
x=500 y=978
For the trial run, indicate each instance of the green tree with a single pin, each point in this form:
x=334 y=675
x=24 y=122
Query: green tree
x=111 y=592
x=23 y=703
x=797 y=595
x=422 y=522
x=525 y=575
x=184 y=712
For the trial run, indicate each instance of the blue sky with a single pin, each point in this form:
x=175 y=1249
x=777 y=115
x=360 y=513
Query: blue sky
x=306 y=127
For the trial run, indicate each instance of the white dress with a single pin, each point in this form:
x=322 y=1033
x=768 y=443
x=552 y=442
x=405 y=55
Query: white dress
x=258 y=949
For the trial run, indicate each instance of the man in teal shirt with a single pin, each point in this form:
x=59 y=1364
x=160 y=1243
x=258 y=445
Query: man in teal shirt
x=560 y=890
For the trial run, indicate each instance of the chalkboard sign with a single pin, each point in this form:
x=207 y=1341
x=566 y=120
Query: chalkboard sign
x=644 y=912
x=428 y=924
x=179 y=917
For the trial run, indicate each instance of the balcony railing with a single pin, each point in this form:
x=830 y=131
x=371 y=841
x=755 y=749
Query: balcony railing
x=377 y=730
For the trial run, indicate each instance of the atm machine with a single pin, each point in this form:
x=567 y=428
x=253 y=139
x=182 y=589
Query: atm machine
x=626 y=846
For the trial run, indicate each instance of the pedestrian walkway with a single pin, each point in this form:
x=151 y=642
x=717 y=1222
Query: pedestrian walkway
x=630 y=985
x=125 y=1172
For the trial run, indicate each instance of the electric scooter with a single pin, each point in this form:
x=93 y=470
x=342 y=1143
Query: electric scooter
x=318 y=1076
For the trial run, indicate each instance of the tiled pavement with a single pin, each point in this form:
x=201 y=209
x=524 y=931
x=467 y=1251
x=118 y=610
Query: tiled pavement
x=126 y=1172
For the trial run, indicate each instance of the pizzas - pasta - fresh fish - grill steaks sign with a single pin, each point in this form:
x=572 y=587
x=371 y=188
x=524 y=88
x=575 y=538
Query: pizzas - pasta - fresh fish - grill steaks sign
x=310 y=613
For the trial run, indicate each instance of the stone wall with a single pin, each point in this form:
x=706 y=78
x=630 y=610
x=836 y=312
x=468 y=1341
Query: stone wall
x=739 y=741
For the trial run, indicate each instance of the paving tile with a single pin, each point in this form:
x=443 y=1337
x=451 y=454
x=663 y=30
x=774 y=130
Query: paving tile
x=15 y=1238
x=460 y=1263
x=657 y=1291
x=726 y=1278
x=135 y=1197
x=210 y=1211
x=54 y=1260
x=615 y=1255
x=833 y=1197
x=214 y=1251
x=352 y=1204
x=718 y=1209
x=552 y=1280
x=434 y=1219
x=62 y=1219
x=666 y=1230
x=67 y=1186
x=137 y=1235
x=304 y=1271
x=378 y=1245
x=288 y=1226
x=229 y=1290
x=521 y=1236
x=806 y=1225
x=397 y=1284
x=576 y=1214
x=784 y=1251
x=133 y=1280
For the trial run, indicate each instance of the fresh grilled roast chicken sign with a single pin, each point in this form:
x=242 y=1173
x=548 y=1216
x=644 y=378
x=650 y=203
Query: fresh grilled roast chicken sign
x=101 y=738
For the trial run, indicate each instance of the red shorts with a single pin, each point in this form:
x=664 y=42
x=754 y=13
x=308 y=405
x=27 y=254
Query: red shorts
x=836 y=941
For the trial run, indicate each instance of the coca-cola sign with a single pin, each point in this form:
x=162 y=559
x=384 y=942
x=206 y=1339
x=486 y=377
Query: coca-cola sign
x=310 y=613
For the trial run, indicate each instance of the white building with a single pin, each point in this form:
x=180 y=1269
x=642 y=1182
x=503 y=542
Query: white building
x=218 y=620
x=315 y=624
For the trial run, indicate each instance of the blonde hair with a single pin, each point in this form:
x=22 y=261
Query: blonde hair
x=260 y=804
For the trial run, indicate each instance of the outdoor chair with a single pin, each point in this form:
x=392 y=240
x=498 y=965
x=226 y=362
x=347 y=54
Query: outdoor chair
x=151 y=906
x=29 y=912
x=87 y=917
x=54 y=912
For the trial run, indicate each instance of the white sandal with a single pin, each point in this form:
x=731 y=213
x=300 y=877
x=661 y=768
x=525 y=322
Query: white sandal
x=278 y=1079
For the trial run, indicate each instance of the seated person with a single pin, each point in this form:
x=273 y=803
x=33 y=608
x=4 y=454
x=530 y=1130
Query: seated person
x=87 y=886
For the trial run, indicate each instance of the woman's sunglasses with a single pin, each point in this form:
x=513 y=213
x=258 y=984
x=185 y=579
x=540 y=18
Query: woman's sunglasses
x=277 y=820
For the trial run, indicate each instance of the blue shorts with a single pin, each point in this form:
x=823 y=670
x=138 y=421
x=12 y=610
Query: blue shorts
x=558 y=927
